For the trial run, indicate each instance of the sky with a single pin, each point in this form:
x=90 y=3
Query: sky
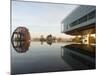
x=40 y=18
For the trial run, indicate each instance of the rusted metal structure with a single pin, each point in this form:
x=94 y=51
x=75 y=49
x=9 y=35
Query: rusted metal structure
x=21 y=39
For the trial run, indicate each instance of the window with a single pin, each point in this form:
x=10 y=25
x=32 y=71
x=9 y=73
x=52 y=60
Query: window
x=74 y=23
x=92 y=14
x=67 y=26
x=89 y=16
x=83 y=19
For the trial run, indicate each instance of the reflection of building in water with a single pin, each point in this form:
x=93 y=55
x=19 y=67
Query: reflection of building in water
x=78 y=56
x=41 y=42
x=49 y=39
x=21 y=39
x=49 y=42
x=81 y=22
x=21 y=46
x=42 y=38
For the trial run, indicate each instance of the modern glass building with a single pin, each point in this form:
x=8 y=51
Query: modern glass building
x=81 y=22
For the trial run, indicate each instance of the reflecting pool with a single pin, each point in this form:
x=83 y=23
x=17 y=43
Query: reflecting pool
x=44 y=57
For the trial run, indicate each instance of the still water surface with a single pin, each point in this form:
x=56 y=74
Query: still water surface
x=42 y=57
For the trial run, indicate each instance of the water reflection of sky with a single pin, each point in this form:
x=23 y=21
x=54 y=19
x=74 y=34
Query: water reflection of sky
x=46 y=58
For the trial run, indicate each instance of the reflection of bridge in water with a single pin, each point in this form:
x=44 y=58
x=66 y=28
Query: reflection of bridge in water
x=79 y=56
x=21 y=39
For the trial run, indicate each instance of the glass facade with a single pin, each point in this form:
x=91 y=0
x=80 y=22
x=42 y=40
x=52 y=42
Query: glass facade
x=86 y=17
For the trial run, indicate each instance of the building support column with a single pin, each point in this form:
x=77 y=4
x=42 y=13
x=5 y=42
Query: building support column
x=89 y=39
x=82 y=39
